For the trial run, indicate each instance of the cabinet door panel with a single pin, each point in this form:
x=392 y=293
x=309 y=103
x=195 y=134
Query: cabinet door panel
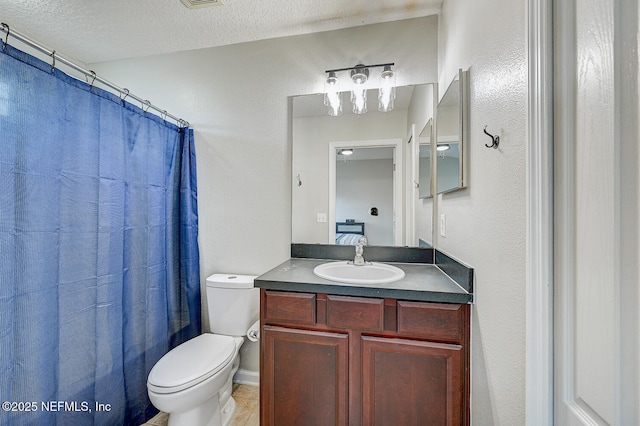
x=355 y=313
x=305 y=377
x=437 y=321
x=406 y=382
x=292 y=308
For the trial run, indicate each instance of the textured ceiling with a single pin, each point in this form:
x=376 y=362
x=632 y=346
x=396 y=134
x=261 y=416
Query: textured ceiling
x=102 y=30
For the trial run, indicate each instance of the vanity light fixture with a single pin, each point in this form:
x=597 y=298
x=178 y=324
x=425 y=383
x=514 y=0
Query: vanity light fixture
x=443 y=147
x=360 y=84
x=345 y=151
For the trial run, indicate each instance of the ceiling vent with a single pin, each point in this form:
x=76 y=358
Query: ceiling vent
x=195 y=4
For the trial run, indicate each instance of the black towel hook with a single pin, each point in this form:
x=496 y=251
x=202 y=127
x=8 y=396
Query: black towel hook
x=495 y=140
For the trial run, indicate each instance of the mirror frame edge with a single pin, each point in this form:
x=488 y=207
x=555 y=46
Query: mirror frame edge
x=463 y=129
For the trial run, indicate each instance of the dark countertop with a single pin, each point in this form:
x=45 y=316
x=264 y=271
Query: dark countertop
x=423 y=282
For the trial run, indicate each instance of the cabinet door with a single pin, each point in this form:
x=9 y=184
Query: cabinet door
x=304 y=377
x=408 y=382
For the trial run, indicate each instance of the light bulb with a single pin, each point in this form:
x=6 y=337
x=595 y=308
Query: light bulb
x=359 y=100
x=387 y=91
x=332 y=97
x=360 y=74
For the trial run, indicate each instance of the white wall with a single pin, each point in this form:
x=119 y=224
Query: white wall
x=486 y=221
x=236 y=98
x=361 y=185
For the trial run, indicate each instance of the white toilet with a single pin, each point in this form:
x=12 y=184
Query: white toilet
x=193 y=381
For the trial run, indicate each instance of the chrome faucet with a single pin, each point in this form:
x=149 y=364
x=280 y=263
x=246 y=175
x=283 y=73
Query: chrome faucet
x=359 y=260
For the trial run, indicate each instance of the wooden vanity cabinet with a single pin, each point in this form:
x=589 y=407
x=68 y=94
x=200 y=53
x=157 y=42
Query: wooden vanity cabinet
x=344 y=360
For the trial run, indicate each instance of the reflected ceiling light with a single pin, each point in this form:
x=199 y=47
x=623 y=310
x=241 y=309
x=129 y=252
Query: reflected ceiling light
x=332 y=97
x=360 y=84
x=345 y=151
x=443 y=147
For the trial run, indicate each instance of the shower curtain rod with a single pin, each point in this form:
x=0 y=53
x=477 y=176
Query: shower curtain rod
x=88 y=73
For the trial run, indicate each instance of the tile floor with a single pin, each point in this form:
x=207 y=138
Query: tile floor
x=247 y=408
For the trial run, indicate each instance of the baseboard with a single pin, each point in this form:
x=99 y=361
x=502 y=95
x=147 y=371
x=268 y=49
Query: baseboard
x=247 y=377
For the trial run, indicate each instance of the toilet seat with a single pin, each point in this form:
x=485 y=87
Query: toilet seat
x=191 y=363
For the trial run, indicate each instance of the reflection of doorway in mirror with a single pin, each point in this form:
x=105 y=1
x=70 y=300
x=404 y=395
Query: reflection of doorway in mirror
x=423 y=177
x=448 y=166
x=363 y=182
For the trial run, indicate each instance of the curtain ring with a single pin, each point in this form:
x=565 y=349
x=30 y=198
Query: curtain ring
x=93 y=73
x=6 y=39
x=53 y=64
x=163 y=114
x=148 y=104
x=126 y=93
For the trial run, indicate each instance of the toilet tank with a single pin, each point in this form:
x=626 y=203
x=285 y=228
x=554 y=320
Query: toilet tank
x=233 y=303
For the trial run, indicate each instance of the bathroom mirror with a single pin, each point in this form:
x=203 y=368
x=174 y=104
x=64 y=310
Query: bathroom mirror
x=315 y=212
x=450 y=130
x=424 y=161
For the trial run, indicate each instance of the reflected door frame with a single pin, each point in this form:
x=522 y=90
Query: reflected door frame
x=398 y=160
x=412 y=194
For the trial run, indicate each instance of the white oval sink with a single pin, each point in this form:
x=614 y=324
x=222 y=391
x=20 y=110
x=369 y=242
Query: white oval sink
x=370 y=273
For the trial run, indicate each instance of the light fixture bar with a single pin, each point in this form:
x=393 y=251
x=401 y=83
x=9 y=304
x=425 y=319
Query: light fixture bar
x=360 y=66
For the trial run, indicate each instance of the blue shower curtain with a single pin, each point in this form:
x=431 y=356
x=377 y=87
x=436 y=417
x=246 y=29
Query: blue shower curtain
x=99 y=263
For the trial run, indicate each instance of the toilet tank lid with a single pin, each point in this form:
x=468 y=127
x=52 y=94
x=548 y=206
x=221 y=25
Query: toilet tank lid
x=230 y=281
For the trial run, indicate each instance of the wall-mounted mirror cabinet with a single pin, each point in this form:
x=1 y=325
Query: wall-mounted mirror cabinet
x=450 y=136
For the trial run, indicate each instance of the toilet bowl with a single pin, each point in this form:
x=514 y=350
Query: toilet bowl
x=193 y=381
x=187 y=381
